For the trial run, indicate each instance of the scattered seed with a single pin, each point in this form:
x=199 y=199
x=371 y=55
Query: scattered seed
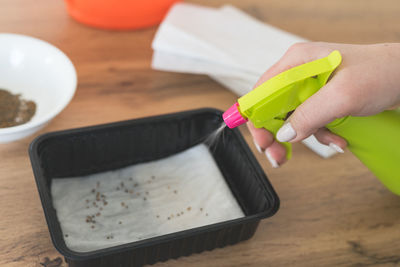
x=206 y=214
x=108 y=237
x=100 y=208
x=126 y=206
x=130 y=191
x=178 y=214
x=158 y=216
x=120 y=222
x=117 y=188
x=122 y=184
x=169 y=218
x=98 y=214
x=93 y=190
x=189 y=208
x=147 y=193
x=103 y=196
x=92 y=226
x=176 y=192
x=144 y=199
x=130 y=179
x=135 y=185
x=87 y=200
x=138 y=194
x=126 y=190
x=87 y=207
x=153 y=177
x=66 y=235
x=201 y=209
x=105 y=203
x=172 y=215
x=122 y=203
x=169 y=187
x=181 y=212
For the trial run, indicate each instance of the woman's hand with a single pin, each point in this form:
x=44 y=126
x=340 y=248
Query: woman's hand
x=366 y=83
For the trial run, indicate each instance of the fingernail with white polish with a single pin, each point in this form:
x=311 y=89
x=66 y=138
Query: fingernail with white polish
x=257 y=146
x=286 y=133
x=271 y=160
x=336 y=147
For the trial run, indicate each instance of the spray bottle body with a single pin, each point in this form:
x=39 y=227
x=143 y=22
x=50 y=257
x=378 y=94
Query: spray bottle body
x=375 y=141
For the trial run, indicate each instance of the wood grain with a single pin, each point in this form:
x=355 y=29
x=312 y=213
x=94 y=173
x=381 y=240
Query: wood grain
x=333 y=212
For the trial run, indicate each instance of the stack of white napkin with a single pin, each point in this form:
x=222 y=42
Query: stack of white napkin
x=225 y=43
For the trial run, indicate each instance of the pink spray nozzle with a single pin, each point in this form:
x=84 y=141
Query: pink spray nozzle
x=232 y=117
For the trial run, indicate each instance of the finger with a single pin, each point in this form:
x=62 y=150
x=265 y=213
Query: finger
x=276 y=154
x=261 y=136
x=328 y=138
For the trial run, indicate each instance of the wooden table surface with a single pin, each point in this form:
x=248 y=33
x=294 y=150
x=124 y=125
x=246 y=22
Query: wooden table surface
x=333 y=212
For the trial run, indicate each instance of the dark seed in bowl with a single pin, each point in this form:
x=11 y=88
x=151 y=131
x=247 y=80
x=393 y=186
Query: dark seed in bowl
x=14 y=110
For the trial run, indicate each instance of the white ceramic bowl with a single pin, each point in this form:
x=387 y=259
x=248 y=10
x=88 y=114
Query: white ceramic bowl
x=38 y=71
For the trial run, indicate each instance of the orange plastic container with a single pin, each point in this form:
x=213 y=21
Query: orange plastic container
x=119 y=14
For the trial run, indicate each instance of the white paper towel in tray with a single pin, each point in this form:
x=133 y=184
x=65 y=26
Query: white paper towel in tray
x=225 y=43
x=180 y=192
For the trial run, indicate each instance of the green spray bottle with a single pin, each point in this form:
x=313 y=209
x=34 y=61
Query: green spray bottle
x=375 y=140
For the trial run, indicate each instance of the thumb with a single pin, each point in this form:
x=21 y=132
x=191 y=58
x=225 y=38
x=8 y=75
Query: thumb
x=317 y=111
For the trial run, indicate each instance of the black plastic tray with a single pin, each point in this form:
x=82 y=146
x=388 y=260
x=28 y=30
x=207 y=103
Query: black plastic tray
x=105 y=147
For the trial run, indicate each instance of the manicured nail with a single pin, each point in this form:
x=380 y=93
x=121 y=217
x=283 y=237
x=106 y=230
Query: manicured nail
x=257 y=146
x=336 y=147
x=286 y=133
x=271 y=160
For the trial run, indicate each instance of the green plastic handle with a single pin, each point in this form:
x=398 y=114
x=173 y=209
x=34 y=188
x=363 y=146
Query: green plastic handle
x=268 y=105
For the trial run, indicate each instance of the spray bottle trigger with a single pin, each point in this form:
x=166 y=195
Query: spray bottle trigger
x=273 y=126
x=288 y=147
